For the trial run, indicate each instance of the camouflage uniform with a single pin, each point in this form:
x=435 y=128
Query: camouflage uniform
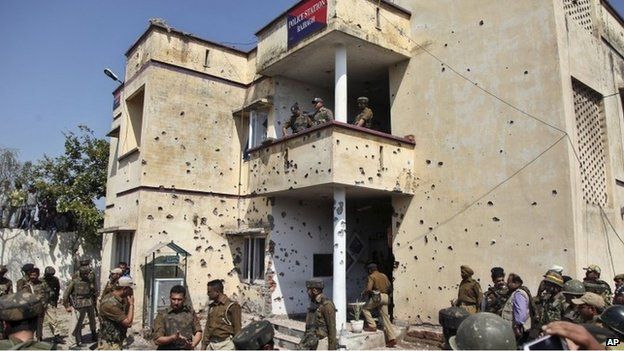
x=549 y=309
x=298 y=123
x=169 y=322
x=494 y=299
x=322 y=115
x=320 y=322
x=108 y=288
x=599 y=287
x=6 y=285
x=41 y=290
x=255 y=336
x=19 y=307
x=222 y=323
x=54 y=284
x=80 y=294
x=112 y=332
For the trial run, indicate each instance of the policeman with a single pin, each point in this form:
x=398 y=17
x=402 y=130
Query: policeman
x=483 y=331
x=40 y=289
x=377 y=289
x=469 y=295
x=115 y=274
x=24 y=279
x=571 y=289
x=298 y=122
x=80 y=294
x=19 y=313
x=177 y=327
x=322 y=114
x=51 y=319
x=589 y=307
x=365 y=117
x=320 y=332
x=496 y=295
x=549 y=304
x=593 y=283
x=255 y=336
x=114 y=320
x=223 y=320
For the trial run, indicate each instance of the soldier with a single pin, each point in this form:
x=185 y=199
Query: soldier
x=40 y=289
x=593 y=283
x=115 y=274
x=613 y=319
x=377 y=290
x=19 y=313
x=6 y=285
x=80 y=294
x=320 y=332
x=590 y=306
x=495 y=297
x=322 y=113
x=618 y=293
x=51 y=319
x=177 y=327
x=365 y=117
x=298 y=122
x=469 y=295
x=549 y=304
x=571 y=289
x=255 y=336
x=483 y=331
x=114 y=320
x=517 y=309
x=24 y=279
x=223 y=320
x=553 y=269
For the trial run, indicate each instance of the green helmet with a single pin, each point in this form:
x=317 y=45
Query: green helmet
x=254 y=336
x=484 y=331
x=19 y=306
x=574 y=287
x=613 y=318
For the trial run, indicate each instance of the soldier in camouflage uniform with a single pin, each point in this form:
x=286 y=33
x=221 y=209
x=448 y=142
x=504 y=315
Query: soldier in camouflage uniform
x=40 y=289
x=365 y=117
x=24 y=279
x=549 y=304
x=322 y=113
x=115 y=274
x=114 y=320
x=571 y=289
x=298 y=121
x=255 y=336
x=19 y=313
x=177 y=327
x=590 y=306
x=469 y=295
x=495 y=297
x=593 y=283
x=6 y=287
x=320 y=332
x=223 y=320
x=51 y=319
x=80 y=294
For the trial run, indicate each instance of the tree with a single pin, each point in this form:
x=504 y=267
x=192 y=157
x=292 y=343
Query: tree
x=10 y=167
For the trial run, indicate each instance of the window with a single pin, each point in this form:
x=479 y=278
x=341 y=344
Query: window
x=253 y=259
x=323 y=265
x=258 y=122
x=131 y=128
x=122 y=248
x=207 y=59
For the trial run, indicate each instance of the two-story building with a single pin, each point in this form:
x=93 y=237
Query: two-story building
x=497 y=141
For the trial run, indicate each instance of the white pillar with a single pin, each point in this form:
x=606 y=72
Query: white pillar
x=340 y=257
x=340 y=80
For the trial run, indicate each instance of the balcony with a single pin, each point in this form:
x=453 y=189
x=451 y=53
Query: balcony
x=312 y=163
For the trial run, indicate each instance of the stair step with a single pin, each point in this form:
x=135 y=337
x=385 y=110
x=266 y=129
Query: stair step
x=288 y=327
x=285 y=341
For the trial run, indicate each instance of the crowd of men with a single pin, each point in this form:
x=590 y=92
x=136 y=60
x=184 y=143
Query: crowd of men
x=585 y=312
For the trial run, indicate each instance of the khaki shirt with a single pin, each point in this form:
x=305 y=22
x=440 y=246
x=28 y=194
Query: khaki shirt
x=168 y=322
x=219 y=326
x=321 y=320
x=367 y=115
x=322 y=115
x=469 y=293
x=378 y=281
x=112 y=312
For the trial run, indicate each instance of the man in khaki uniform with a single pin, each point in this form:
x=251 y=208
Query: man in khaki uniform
x=223 y=320
x=377 y=290
x=322 y=113
x=365 y=117
x=590 y=306
x=40 y=289
x=469 y=295
x=298 y=121
x=24 y=279
x=177 y=327
x=114 y=320
x=594 y=284
x=19 y=313
x=80 y=294
x=115 y=274
x=320 y=332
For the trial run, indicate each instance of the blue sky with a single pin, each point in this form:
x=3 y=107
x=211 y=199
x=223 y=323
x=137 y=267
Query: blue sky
x=54 y=52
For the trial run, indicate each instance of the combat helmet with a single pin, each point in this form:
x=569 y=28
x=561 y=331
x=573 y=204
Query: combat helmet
x=484 y=331
x=574 y=287
x=49 y=270
x=613 y=318
x=254 y=336
x=20 y=306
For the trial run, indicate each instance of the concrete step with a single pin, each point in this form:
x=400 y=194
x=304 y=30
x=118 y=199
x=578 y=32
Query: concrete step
x=288 y=327
x=285 y=341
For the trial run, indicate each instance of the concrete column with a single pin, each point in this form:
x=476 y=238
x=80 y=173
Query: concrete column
x=340 y=80
x=340 y=257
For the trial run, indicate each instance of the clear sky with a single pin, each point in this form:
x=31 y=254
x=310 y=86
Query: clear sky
x=53 y=53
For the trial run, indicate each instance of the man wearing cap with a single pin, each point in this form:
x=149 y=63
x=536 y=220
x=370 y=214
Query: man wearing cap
x=322 y=113
x=115 y=274
x=255 y=336
x=223 y=320
x=19 y=314
x=365 y=117
x=80 y=294
x=50 y=314
x=590 y=306
x=40 y=289
x=618 y=293
x=24 y=279
x=377 y=290
x=593 y=283
x=549 y=305
x=114 y=320
x=572 y=289
x=177 y=327
x=320 y=332
x=496 y=295
x=469 y=295
x=298 y=122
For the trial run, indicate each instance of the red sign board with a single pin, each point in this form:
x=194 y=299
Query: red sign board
x=305 y=19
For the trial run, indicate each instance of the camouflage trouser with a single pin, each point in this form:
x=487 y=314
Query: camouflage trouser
x=108 y=345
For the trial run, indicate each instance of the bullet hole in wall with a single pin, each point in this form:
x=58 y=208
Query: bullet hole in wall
x=481 y=22
x=554 y=193
x=495 y=219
